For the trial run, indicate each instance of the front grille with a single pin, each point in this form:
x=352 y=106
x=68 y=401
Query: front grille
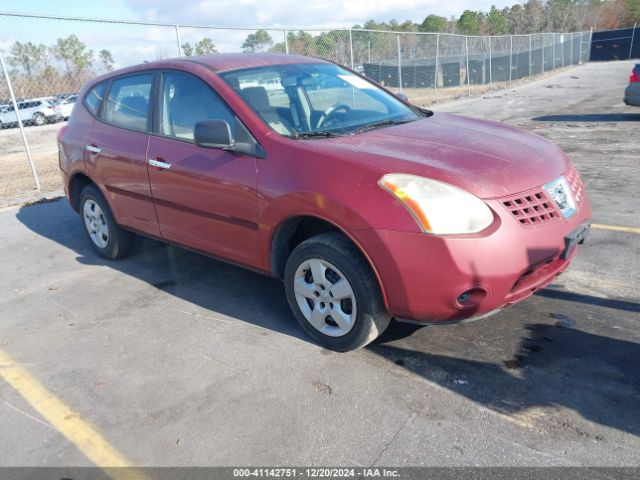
x=577 y=187
x=531 y=208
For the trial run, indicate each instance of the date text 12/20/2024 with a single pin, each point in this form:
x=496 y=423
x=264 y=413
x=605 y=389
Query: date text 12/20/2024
x=316 y=472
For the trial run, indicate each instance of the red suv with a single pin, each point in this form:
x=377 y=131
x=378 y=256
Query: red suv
x=366 y=206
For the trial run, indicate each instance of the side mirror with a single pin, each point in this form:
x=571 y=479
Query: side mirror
x=402 y=97
x=217 y=134
x=213 y=134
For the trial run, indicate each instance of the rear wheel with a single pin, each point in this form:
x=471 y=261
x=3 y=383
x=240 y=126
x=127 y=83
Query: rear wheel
x=334 y=294
x=105 y=235
x=39 y=119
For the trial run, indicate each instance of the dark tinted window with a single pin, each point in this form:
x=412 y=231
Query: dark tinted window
x=128 y=102
x=93 y=99
x=186 y=100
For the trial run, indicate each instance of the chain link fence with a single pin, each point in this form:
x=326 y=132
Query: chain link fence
x=47 y=60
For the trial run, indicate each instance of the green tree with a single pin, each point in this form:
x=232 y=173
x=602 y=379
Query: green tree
x=187 y=49
x=50 y=76
x=469 y=23
x=301 y=43
x=74 y=54
x=496 y=23
x=206 y=47
x=256 y=42
x=434 y=23
x=28 y=56
x=633 y=9
x=279 y=47
x=106 y=59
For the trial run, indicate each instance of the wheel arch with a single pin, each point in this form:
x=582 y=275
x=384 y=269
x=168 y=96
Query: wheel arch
x=77 y=182
x=292 y=231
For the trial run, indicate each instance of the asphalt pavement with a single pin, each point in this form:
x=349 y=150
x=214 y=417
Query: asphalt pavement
x=169 y=358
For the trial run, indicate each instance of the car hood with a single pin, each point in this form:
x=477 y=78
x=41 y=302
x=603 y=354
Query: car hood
x=485 y=158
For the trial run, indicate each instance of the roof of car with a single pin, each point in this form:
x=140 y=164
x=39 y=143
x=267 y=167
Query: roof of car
x=237 y=61
x=218 y=63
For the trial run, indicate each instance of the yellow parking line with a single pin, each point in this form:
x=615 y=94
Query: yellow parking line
x=81 y=433
x=615 y=228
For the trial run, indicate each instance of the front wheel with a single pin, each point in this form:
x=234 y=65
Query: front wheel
x=333 y=293
x=105 y=235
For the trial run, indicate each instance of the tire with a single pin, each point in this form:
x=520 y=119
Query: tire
x=39 y=119
x=106 y=237
x=360 y=315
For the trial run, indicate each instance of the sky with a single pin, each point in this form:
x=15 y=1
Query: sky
x=253 y=13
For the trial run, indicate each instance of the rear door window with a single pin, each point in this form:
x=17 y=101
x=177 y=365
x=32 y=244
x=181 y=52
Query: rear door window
x=128 y=102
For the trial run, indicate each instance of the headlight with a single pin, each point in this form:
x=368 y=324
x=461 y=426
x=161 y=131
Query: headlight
x=438 y=207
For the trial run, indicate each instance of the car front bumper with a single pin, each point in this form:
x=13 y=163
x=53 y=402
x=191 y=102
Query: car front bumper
x=428 y=278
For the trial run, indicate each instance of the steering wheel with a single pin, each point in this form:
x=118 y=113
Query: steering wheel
x=329 y=112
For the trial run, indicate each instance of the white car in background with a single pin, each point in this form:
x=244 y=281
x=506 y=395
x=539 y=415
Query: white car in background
x=36 y=111
x=65 y=107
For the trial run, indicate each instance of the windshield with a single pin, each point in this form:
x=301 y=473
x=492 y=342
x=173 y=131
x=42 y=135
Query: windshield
x=305 y=100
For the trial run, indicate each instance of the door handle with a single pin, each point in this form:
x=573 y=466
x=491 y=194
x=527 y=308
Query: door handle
x=157 y=163
x=92 y=149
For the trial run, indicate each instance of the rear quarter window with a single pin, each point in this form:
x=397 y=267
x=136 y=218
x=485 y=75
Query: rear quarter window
x=94 y=98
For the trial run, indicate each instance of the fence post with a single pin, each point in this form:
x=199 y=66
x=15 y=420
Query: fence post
x=633 y=37
x=466 y=46
x=17 y=111
x=510 y=57
x=544 y=47
x=178 y=40
x=562 y=42
x=490 y=66
x=554 y=52
x=399 y=64
x=351 y=48
x=286 y=40
x=571 y=58
x=530 y=47
x=435 y=73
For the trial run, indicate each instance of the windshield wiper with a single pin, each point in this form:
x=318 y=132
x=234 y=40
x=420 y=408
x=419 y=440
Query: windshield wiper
x=382 y=123
x=318 y=134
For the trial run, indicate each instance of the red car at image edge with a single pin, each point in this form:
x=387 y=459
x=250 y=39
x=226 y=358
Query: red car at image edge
x=365 y=206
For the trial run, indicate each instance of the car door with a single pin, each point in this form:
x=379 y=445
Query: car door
x=116 y=151
x=205 y=198
x=8 y=115
x=24 y=110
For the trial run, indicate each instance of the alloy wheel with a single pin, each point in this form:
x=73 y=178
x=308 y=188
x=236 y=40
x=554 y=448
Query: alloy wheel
x=325 y=297
x=95 y=223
